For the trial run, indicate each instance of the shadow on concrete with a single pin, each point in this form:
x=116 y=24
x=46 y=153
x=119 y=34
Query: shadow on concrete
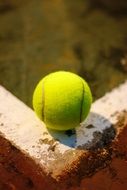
x=95 y=132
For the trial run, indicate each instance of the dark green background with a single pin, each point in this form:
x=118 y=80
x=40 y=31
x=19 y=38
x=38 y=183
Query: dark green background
x=86 y=37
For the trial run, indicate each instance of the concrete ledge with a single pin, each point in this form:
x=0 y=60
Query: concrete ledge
x=32 y=157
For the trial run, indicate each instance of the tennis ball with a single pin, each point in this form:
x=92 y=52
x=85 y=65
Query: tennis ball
x=62 y=100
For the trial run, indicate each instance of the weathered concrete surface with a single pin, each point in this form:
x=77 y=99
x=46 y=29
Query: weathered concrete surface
x=114 y=175
x=34 y=157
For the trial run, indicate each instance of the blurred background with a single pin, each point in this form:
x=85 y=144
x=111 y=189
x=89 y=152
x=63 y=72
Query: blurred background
x=87 y=37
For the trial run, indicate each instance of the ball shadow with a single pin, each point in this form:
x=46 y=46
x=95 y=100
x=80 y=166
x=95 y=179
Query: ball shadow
x=95 y=132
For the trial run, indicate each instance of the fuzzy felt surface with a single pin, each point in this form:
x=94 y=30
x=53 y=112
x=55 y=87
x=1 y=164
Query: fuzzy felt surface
x=62 y=100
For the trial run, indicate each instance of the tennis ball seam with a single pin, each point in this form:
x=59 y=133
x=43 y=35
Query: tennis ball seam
x=43 y=101
x=82 y=99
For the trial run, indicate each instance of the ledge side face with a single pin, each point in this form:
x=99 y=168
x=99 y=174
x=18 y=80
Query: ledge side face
x=56 y=152
x=19 y=171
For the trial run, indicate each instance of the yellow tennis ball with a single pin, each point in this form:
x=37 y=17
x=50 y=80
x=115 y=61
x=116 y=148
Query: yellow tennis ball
x=62 y=100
